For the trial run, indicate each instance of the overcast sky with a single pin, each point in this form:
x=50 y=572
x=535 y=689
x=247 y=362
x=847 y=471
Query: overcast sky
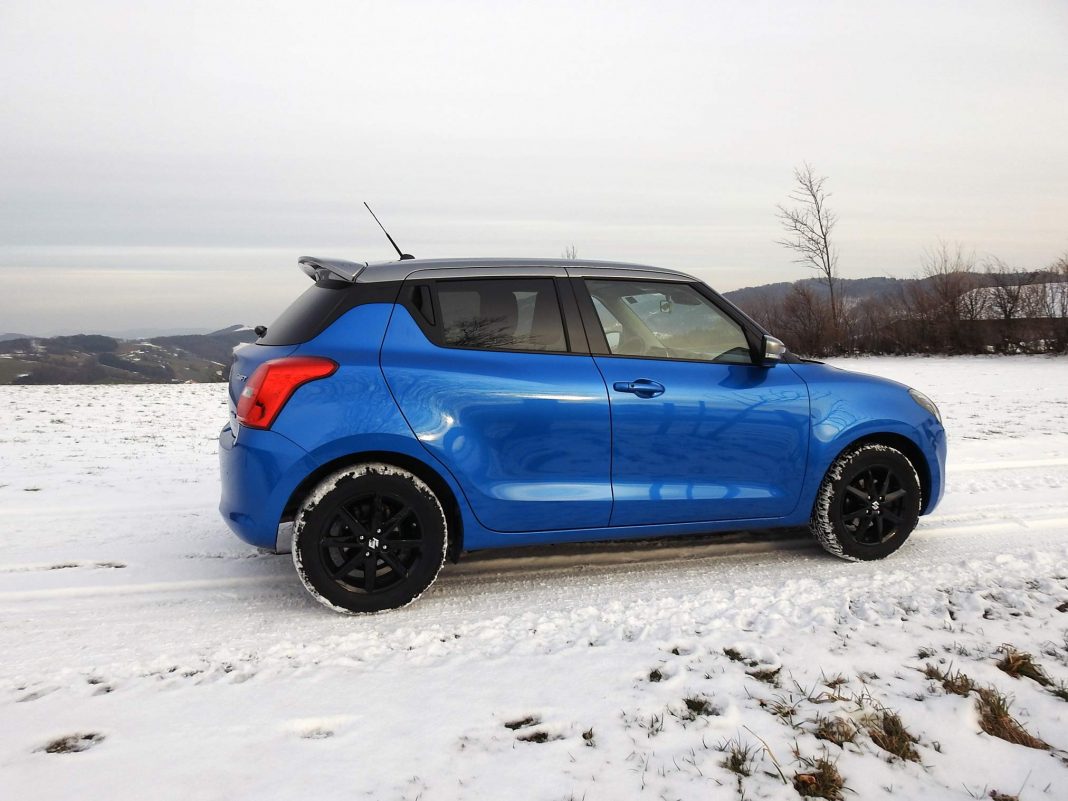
x=164 y=164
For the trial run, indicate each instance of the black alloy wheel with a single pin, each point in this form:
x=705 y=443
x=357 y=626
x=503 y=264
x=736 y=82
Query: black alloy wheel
x=873 y=505
x=369 y=538
x=373 y=543
x=868 y=504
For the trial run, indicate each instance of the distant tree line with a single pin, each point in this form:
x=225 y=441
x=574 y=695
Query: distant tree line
x=957 y=305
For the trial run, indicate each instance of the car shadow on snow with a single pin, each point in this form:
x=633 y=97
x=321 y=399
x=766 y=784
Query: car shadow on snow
x=568 y=556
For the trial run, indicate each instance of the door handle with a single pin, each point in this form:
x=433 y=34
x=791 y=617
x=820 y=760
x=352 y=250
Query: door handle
x=642 y=387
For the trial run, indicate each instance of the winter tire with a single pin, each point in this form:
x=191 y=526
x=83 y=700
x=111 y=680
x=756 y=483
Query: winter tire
x=368 y=538
x=868 y=503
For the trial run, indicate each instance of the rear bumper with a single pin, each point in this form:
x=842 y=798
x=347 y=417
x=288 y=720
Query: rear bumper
x=259 y=471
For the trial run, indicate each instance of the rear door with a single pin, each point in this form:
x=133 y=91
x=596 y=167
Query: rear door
x=493 y=374
x=699 y=432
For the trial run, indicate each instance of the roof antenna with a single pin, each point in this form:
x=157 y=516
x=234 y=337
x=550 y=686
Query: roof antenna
x=402 y=255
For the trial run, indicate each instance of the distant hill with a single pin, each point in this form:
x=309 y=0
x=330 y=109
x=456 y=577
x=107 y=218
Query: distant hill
x=148 y=333
x=857 y=289
x=854 y=288
x=99 y=359
x=6 y=337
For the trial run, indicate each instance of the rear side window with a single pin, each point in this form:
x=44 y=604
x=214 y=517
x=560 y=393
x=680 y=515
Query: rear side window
x=305 y=316
x=501 y=314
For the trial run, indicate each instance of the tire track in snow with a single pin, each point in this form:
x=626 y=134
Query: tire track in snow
x=630 y=556
x=1003 y=464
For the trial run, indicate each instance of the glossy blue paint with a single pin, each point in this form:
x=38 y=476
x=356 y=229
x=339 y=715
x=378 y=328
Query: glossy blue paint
x=350 y=413
x=536 y=448
x=255 y=468
x=717 y=442
x=848 y=407
x=527 y=435
x=354 y=402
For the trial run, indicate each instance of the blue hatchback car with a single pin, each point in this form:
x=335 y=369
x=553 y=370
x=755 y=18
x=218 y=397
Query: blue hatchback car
x=401 y=413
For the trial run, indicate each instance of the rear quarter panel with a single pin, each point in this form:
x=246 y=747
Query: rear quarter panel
x=353 y=411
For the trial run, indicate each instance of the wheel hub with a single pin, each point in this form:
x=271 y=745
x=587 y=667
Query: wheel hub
x=373 y=543
x=872 y=505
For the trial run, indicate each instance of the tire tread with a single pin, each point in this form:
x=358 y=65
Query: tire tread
x=821 y=525
x=328 y=485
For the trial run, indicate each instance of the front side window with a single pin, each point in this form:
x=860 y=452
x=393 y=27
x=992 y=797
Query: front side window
x=666 y=320
x=501 y=314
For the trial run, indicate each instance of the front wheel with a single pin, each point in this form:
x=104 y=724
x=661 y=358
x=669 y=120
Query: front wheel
x=868 y=503
x=368 y=538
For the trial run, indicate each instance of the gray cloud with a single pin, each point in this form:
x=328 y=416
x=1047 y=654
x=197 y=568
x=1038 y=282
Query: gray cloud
x=201 y=147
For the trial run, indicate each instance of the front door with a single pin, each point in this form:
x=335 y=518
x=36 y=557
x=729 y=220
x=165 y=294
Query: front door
x=699 y=433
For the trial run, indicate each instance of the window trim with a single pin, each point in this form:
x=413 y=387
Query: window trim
x=436 y=332
x=599 y=342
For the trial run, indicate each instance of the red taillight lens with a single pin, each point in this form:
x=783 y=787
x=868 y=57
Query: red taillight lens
x=273 y=383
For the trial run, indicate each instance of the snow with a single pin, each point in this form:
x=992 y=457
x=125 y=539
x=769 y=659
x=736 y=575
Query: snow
x=179 y=663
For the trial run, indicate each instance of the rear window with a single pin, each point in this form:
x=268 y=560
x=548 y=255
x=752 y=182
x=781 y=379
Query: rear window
x=305 y=316
x=501 y=314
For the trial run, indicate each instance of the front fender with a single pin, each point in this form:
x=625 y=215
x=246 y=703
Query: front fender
x=847 y=407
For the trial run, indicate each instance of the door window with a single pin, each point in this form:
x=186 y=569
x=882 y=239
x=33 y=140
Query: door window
x=666 y=320
x=501 y=314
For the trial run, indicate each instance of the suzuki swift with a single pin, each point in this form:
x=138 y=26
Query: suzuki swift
x=402 y=413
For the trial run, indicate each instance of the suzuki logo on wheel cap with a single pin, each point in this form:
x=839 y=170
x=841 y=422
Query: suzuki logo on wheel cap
x=373 y=542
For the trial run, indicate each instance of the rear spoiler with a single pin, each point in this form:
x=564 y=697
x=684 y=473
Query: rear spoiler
x=331 y=269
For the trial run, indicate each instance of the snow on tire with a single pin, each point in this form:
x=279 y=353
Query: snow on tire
x=868 y=503
x=368 y=538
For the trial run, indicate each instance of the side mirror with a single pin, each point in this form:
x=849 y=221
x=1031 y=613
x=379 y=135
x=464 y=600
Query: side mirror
x=773 y=350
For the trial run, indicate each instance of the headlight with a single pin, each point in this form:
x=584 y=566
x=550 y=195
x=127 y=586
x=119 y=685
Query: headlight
x=926 y=403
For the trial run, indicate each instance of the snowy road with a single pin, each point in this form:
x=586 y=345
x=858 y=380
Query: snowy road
x=189 y=666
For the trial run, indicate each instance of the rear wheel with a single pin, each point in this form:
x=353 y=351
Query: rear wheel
x=368 y=538
x=868 y=503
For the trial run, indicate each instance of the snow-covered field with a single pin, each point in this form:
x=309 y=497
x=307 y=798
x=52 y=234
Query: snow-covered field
x=186 y=665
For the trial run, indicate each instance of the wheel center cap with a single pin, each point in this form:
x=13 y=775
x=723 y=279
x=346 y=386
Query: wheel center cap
x=875 y=506
x=373 y=542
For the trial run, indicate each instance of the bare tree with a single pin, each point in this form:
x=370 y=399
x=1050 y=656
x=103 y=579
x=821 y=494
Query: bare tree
x=766 y=308
x=808 y=226
x=1059 y=292
x=570 y=253
x=917 y=331
x=975 y=303
x=1006 y=294
x=806 y=315
x=1009 y=298
x=1060 y=272
x=950 y=284
x=874 y=326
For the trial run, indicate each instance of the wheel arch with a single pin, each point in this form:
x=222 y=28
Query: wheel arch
x=910 y=449
x=420 y=469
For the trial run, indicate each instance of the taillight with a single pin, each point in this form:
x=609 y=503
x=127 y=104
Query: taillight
x=273 y=383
